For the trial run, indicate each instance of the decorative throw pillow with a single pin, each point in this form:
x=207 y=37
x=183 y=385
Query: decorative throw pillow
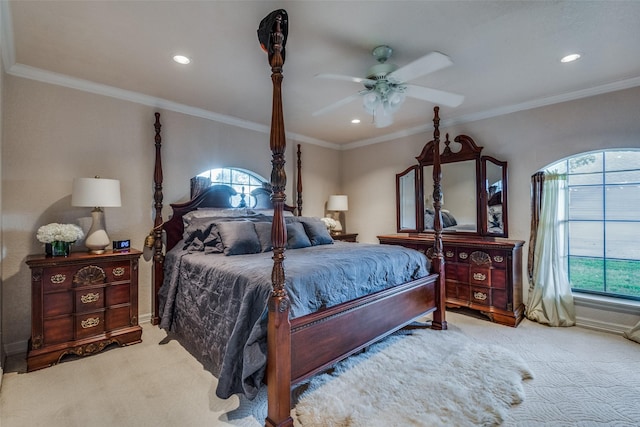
x=428 y=220
x=316 y=231
x=213 y=243
x=239 y=237
x=296 y=236
x=448 y=220
x=263 y=229
x=196 y=232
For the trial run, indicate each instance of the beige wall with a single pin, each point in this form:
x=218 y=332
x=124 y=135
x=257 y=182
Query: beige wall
x=527 y=140
x=54 y=134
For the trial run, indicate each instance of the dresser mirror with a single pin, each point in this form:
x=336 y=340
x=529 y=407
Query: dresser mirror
x=474 y=191
x=406 y=199
x=495 y=191
x=459 y=197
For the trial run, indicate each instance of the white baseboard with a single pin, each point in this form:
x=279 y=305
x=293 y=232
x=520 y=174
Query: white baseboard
x=144 y=318
x=597 y=325
x=17 y=347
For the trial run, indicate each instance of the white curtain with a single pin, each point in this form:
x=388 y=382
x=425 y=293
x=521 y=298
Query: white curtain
x=550 y=299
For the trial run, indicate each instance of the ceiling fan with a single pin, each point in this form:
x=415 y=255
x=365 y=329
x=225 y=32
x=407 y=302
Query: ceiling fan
x=386 y=86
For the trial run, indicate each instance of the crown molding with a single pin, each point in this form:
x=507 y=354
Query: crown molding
x=44 y=76
x=501 y=111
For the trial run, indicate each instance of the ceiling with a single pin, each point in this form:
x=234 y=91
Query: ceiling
x=506 y=56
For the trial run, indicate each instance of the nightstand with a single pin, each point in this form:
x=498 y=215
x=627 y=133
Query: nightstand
x=82 y=303
x=351 y=237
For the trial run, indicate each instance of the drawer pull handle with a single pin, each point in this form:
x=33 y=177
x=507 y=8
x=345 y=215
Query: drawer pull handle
x=480 y=296
x=463 y=255
x=118 y=271
x=87 y=298
x=56 y=279
x=90 y=322
x=498 y=258
x=449 y=254
x=479 y=276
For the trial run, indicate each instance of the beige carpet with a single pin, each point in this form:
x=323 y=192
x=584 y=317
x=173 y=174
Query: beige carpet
x=582 y=378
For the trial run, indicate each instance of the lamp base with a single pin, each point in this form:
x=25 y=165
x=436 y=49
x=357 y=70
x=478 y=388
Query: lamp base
x=97 y=239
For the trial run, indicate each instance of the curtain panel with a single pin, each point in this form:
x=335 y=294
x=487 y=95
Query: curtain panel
x=550 y=299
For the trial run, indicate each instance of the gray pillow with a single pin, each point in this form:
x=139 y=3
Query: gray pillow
x=428 y=220
x=197 y=234
x=296 y=236
x=263 y=229
x=213 y=242
x=239 y=237
x=317 y=231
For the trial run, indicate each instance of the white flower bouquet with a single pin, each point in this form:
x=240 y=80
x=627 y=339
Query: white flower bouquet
x=330 y=223
x=55 y=232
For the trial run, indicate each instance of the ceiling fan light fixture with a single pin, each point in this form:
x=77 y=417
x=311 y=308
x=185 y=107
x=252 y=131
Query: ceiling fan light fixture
x=382 y=117
x=395 y=100
x=370 y=101
x=383 y=101
x=386 y=86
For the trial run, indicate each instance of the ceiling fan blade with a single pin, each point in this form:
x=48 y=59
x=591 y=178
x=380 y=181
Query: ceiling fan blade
x=429 y=63
x=434 y=96
x=346 y=78
x=337 y=104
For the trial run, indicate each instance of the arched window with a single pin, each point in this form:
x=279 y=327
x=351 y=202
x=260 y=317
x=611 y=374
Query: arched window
x=243 y=181
x=603 y=221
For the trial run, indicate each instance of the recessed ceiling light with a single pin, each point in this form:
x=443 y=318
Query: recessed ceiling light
x=571 y=58
x=355 y=121
x=181 y=59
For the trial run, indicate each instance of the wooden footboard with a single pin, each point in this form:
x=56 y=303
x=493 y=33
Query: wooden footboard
x=321 y=339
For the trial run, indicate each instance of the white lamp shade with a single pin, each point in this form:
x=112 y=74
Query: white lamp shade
x=338 y=202
x=96 y=192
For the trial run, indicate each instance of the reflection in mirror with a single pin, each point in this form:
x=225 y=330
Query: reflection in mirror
x=459 y=197
x=495 y=191
x=407 y=200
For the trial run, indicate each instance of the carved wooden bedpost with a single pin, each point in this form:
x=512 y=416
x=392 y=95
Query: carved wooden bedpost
x=158 y=258
x=279 y=327
x=299 y=187
x=439 y=319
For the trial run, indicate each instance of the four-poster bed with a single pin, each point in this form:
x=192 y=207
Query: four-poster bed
x=300 y=342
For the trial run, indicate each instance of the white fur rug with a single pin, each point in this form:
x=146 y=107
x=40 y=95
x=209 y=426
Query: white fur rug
x=428 y=378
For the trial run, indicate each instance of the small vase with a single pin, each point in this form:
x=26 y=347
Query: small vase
x=58 y=248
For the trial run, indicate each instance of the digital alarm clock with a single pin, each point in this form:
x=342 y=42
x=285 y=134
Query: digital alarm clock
x=121 y=245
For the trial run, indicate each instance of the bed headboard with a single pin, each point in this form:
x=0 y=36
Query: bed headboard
x=216 y=196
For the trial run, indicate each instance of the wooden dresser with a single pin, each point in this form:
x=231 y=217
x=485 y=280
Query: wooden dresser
x=82 y=303
x=482 y=273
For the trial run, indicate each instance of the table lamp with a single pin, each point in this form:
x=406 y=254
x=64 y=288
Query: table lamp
x=97 y=193
x=338 y=203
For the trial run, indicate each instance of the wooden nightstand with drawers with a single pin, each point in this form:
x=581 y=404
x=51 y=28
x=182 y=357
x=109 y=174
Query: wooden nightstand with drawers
x=82 y=303
x=346 y=237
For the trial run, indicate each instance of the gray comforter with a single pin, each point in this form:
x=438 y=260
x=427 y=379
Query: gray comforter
x=218 y=303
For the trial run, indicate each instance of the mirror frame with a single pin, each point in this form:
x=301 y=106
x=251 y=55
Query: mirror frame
x=416 y=194
x=469 y=150
x=485 y=195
